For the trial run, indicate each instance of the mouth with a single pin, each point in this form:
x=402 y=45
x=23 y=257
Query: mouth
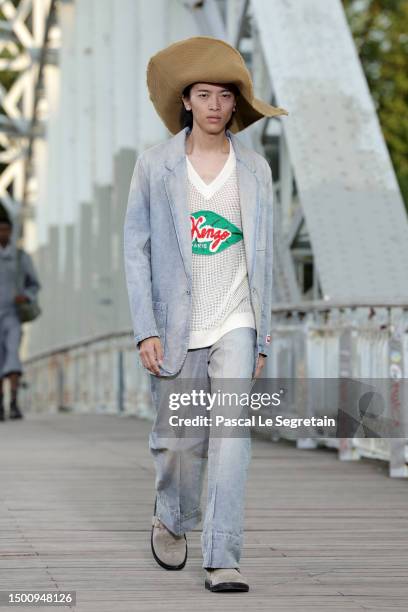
x=213 y=118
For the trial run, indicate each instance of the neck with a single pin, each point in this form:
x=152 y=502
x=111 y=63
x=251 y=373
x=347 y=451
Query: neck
x=199 y=141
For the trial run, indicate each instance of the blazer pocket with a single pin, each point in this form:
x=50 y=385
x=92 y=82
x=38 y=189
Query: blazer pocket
x=160 y=315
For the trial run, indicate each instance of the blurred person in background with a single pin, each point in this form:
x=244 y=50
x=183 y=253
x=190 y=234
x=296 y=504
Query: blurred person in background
x=10 y=324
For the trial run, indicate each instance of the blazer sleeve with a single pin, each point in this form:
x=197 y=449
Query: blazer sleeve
x=266 y=314
x=137 y=254
x=31 y=283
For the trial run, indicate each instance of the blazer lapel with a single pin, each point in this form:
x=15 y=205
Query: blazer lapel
x=248 y=184
x=176 y=186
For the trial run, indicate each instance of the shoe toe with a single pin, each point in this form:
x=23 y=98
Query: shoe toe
x=225 y=579
x=169 y=550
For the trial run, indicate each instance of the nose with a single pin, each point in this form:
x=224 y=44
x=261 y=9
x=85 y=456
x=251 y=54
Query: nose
x=214 y=103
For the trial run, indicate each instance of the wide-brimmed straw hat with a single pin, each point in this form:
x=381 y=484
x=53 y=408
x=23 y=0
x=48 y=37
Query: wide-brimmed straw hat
x=203 y=59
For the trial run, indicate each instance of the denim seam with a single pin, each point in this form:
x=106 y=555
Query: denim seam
x=177 y=516
x=190 y=514
x=226 y=534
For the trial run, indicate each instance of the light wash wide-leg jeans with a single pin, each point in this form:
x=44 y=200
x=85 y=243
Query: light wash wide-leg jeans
x=180 y=463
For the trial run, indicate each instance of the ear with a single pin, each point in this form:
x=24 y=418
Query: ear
x=183 y=99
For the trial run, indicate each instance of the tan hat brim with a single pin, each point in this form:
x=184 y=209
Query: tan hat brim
x=266 y=109
x=206 y=59
x=250 y=113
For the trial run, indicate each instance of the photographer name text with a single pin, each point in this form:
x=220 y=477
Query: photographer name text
x=251 y=421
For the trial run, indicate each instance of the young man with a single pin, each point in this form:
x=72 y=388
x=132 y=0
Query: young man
x=198 y=261
x=10 y=325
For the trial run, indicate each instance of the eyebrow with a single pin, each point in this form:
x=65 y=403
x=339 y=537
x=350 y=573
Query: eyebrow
x=207 y=90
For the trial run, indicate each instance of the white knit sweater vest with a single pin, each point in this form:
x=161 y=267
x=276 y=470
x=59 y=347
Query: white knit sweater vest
x=220 y=292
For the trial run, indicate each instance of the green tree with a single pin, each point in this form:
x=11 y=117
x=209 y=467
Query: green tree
x=380 y=31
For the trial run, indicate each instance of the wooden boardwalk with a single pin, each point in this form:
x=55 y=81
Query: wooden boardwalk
x=76 y=495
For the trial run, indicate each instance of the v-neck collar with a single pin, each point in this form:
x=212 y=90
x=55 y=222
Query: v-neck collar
x=208 y=189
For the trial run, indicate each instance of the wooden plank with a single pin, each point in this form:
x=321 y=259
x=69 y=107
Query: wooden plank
x=76 y=498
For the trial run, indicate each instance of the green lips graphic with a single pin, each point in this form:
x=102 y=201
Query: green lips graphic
x=211 y=233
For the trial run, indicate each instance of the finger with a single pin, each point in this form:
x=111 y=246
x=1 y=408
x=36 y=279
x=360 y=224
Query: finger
x=147 y=360
x=143 y=359
x=256 y=373
x=159 y=352
x=153 y=366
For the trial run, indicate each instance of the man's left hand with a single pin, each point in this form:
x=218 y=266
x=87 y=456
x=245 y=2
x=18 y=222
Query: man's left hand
x=259 y=365
x=19 y=299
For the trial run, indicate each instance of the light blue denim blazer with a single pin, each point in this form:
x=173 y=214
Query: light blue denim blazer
x=158 y=252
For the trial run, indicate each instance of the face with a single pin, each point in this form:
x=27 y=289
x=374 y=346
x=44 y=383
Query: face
x=5 y=233
x=212 y=106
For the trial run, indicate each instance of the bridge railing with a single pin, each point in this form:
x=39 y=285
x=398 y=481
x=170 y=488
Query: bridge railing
x=316 y=340
x=358 y=341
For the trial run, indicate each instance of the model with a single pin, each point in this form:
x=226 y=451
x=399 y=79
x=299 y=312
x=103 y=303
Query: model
x=198 y=262
x=19 y=283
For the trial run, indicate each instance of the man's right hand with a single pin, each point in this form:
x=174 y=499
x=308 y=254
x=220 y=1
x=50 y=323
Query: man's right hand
x=151 y=353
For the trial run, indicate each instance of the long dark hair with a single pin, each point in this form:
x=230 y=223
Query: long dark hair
x=4 y=216
x=186 y=117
